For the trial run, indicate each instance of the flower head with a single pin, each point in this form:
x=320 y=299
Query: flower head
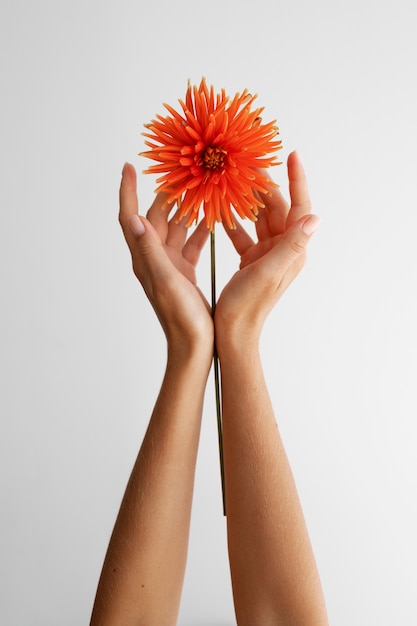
x=211 y=154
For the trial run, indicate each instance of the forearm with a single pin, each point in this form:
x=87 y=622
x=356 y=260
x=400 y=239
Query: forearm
x=143 y=572
x=274 y=575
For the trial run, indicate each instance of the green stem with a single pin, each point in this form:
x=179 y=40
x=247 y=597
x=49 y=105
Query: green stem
x=216 y=368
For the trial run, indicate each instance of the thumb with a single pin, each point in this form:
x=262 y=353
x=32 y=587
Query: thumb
x=146 y=248
x=310 y=224
x=294 y=242
x=147 y=241
x=136 y=225
x=297 y=236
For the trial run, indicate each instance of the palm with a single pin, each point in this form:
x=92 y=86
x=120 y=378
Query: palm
x=182 y=249
x=165 y=262
x=274 y=220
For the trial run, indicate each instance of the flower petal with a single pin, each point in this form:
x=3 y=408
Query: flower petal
x=210 y=152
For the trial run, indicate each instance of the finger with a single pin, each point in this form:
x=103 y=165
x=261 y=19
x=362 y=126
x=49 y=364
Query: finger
x=195 y=243
x=150 y=262
x=262 y=226
x=240 y=238
x=128 y=201
x=292 y=244
x=276 y=208
x=177 y=232
x=158 y=214
x=148 y=256
x=300 y=199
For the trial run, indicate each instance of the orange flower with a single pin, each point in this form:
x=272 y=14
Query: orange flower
x=211 y=154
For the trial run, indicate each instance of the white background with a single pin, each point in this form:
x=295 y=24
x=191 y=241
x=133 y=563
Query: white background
x=81 y=353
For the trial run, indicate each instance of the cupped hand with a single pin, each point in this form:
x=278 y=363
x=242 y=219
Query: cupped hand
x=164 y=260
x=271 y=263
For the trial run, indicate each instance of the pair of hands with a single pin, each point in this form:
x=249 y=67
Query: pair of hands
x=164 y=260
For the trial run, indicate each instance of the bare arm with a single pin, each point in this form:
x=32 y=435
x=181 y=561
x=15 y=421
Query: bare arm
x=143 y=572
x=274 y=575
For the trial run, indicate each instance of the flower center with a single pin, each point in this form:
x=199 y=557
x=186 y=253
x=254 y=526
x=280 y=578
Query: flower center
x=213 y=158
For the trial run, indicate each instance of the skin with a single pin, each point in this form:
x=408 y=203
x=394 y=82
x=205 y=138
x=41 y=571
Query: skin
x=274 y=575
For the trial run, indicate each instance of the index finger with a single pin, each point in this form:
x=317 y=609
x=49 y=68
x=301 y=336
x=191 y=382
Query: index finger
x=276 y=208
x=128 y=201
x=300 y=199
x=158 y=214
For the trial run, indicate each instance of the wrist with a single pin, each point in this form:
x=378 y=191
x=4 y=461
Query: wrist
x=238 y=326
x=195 y=350
x=237 y=341
x=190 y=334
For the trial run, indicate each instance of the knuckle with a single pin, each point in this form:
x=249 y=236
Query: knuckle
x=300 y=262
x=136 y=266
x=297 y=247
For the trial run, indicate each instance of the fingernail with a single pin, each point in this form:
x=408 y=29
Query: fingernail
x=311 y=224
x=136 y=225
x=124 y=167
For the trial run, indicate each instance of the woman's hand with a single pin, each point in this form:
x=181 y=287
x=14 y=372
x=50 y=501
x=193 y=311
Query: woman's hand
x=269 y=265
x=164 y=261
